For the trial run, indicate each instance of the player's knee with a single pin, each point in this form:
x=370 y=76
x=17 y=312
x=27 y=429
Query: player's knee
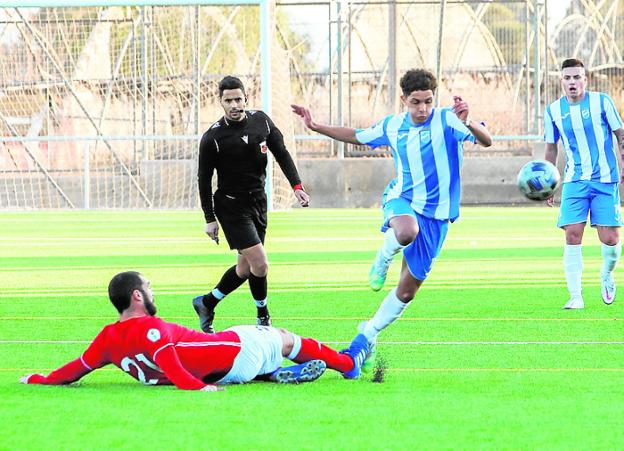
x=405 y=235
x=260 y=269
x=288 y=341
x=405 y=295
x=574 y=238
x=242 y=271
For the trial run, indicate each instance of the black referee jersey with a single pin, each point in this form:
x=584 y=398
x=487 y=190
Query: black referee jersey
x=238 y=151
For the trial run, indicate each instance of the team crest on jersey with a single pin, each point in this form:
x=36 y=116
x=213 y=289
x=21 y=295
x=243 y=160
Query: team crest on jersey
x=153 y=335
x=263 y=147
x=425 y=135
x=585 y=114
x=245 y=138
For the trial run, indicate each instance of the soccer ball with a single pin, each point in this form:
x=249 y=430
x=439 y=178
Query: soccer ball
x=538 y=179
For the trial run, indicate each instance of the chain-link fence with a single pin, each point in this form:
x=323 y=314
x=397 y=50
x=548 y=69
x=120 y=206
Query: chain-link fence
x=103 y=106
x=502 y=56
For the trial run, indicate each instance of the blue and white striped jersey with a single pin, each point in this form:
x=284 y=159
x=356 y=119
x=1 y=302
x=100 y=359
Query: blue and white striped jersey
x=427 y=159
x=586 y=130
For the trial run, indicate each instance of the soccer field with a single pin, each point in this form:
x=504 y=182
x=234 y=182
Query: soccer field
x=483 y=358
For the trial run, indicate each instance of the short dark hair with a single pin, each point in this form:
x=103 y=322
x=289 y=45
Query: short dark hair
x=572 y=62
x=230 y=82
x=121 y=286
x=418 y=80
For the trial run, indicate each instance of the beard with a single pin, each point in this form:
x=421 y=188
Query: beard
x=149 y=306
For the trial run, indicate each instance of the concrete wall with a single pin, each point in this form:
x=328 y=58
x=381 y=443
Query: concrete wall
x=352 y=182
x=360 y=182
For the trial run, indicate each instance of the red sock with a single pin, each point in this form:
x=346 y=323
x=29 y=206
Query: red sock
x=314 y=350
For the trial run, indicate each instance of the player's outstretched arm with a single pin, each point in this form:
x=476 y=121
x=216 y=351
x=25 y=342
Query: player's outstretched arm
x=344 y=134
x=66 y=374
x=478 y=130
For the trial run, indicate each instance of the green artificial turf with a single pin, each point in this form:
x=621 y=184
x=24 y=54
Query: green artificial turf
x=483 y=358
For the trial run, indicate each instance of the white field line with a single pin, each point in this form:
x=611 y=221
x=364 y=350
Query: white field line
x=62 y=241
x=316 y=318
x=402 y=370
x=385 y=343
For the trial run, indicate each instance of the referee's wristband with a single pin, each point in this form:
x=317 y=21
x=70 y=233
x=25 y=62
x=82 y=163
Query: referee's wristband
x=298 y=186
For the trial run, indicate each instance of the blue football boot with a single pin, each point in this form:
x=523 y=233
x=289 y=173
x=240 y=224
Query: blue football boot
x=303 y=372
x=358 y=351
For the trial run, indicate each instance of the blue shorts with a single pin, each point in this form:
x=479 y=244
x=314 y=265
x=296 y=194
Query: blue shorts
x=600 y=200
x=421 y=253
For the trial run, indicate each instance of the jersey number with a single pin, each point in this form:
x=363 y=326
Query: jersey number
x=128 y=362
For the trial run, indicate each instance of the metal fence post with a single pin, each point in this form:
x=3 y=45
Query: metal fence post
x=439 y=51
x=86 y=178
x=341 y=146
x=392 y=55
x=537 y=68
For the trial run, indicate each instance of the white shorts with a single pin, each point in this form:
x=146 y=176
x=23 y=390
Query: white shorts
x=261 y=353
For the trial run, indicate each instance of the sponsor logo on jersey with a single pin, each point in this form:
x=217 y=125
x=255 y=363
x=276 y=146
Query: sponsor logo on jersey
x=153 y=335
x=245 y=138
x=263 y=147
x=402 y=135
x=564 y=116
x=425 y=135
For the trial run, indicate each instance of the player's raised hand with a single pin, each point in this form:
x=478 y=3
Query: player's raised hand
x=302 y=197
x=212 y=230
x=212 y=388
x=305 y=114
x=460 y=108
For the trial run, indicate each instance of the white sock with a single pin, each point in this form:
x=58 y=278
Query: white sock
x=391 y=245
x=296 y=347
x=573 y=266
x=610 y=256
x=389 y=311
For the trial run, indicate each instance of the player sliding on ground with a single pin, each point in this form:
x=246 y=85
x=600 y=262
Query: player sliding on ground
x=419 y=203
x=156 y=352
x=587 y=122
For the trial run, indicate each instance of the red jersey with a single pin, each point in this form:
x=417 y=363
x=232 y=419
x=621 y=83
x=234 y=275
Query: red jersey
x=155 y=352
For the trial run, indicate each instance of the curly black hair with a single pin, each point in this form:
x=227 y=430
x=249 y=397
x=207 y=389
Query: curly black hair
x=418 y=80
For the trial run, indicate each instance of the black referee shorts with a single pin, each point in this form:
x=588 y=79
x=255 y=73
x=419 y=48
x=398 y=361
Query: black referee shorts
x=243 y=217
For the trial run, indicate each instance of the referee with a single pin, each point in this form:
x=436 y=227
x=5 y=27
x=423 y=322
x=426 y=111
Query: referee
x=236 y=147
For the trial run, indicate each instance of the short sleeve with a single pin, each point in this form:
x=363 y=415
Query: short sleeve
x=551 y=132
x=611 y=114
x=460 y=132
x=375 y=135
